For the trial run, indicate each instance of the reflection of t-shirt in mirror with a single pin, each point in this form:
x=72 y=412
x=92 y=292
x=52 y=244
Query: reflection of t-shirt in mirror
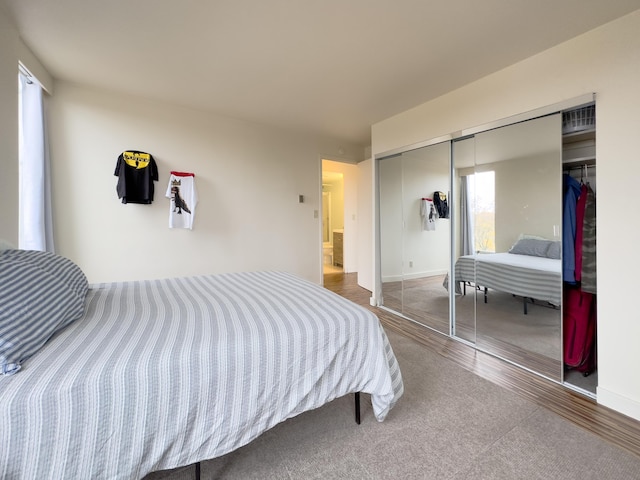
x=428 y=213
x=440 y=202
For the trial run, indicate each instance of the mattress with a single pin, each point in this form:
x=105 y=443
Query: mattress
x=160 y=374
x=523 y=275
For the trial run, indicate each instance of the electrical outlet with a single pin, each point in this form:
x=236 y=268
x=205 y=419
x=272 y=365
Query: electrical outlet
x=410 y=264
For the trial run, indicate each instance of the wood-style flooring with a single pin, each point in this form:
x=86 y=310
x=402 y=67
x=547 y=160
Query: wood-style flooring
x=612 y=426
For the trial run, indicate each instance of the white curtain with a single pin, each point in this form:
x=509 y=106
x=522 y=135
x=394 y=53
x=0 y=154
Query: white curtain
x=466 y=216
x=35 y=229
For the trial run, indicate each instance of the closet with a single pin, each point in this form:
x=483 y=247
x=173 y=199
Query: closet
x=505 y=187
x=579 y=247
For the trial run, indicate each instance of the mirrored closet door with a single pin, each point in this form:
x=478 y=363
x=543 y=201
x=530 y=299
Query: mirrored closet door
x=464 y=235
x=415 y=234
x=507 y=271
x=504 y=269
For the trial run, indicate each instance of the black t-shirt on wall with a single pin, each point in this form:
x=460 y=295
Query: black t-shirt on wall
x=136 y=172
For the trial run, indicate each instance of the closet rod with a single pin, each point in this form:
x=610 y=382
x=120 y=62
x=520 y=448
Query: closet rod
x=578 y=167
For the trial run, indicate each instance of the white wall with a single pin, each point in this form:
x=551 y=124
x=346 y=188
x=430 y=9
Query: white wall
x=606 y=61
x=424 y=171
x=527 y=161
x=337 y=205
x=528 y=199
x=365 y=222
x=8 y=132
x=248 y=178
x=390 y=220
x=407 y=250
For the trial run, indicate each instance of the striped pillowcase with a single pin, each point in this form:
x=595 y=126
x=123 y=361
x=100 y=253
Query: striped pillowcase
x=40 y=293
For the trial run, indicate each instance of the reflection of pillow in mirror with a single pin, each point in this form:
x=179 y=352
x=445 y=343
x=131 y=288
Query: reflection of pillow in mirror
x=527 y=236
x=555 y=248
x=531 y=246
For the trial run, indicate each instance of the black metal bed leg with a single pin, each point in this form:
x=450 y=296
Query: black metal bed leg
x=357 y=399
x=197 y=470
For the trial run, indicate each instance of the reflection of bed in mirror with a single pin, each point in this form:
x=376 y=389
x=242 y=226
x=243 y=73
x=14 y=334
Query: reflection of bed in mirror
x=527 y=276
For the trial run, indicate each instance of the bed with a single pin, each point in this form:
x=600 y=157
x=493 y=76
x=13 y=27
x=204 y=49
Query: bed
x=153 y=375
x=528 y=270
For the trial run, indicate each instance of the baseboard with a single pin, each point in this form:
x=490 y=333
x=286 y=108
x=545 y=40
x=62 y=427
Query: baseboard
x=430 y=273
x=619 y=403
x=412 y=276
x=391 y=278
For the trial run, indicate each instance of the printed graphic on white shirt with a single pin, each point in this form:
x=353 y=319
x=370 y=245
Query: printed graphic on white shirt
x=182 y=192
x=428 y=214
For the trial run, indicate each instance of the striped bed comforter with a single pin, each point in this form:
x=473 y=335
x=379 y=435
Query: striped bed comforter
x=522 y=275
x=160 y=374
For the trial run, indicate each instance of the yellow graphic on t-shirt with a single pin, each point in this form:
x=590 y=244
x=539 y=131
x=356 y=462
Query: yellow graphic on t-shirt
x=136 y=159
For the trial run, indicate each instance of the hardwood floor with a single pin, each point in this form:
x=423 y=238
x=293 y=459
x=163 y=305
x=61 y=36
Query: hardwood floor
x=612 y=426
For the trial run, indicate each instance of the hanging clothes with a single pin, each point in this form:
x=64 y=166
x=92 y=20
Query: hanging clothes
x=440 y=201
x=428 y=214
x=136 y=172
x=580 y=209
x=184 y=197
x=589 y=243
x=571 y=193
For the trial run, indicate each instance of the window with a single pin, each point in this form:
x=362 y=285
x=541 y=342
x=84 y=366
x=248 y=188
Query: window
x=482 y=193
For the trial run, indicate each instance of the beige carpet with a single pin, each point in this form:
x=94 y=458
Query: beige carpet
x=450 y=424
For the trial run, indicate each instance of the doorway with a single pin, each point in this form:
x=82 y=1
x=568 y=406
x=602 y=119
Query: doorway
x=332 y=218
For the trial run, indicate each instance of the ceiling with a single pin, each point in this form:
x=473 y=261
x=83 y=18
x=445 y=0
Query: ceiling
x=332 y=67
